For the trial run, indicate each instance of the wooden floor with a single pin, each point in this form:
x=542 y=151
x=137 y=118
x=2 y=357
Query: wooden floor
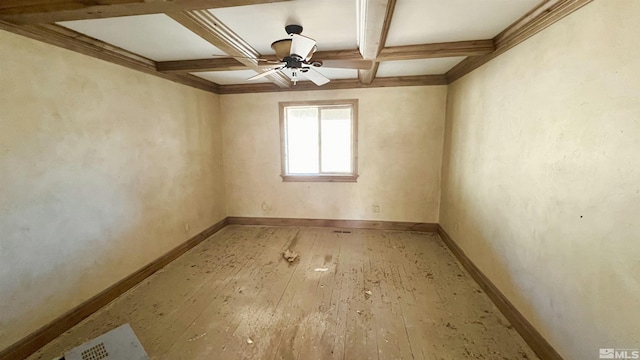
x=235 y=297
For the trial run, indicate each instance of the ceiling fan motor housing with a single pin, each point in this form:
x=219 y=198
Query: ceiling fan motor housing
x=293 y=29
x=294 y=61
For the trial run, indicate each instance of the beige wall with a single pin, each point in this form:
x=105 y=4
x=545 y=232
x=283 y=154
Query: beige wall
x=542 y=179
x=400 y=153
x=101 y=168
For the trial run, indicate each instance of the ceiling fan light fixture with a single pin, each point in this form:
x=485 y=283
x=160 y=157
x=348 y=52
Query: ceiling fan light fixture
x=295 y=55
x=282 y=48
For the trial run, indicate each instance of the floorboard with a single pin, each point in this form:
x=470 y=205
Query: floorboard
x=361 y=294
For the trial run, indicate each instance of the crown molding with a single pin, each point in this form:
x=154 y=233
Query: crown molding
x=47 y=11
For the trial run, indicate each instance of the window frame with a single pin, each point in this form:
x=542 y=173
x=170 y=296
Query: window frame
x=320 y=177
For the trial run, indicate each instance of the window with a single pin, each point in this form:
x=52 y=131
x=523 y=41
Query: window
x=319 y=140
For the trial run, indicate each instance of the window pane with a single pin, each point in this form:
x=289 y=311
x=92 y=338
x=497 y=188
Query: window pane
x=336 y=140
x=302 y=141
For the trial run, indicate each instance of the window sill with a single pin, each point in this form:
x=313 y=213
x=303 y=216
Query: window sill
x=319 y=178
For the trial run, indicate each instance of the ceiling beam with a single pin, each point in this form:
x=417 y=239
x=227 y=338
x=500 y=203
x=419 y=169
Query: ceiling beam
x=199 y=65
x=66 y=38
x=224 y=64
x=536 y=20
x=208 y=27
x=375 y=20
x=366 y=77
x=47 y=11
x=439 y=50
x=410 y=52
x=421 y=80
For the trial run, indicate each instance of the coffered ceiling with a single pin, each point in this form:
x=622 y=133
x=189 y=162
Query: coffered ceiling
x=213 y=44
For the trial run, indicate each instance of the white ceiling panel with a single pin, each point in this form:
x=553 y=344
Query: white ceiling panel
x=332 y=23
x=230 y=77
x=417 y=67
x=433 y=21
x=157 y=37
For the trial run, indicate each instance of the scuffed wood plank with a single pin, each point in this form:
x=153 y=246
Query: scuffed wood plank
x=356 y=312
x=385 y=285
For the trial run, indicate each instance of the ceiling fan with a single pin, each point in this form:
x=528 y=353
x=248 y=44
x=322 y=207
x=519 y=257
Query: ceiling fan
x=295 y=53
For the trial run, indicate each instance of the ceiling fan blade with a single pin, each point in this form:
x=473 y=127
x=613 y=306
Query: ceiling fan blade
x=302 y=46
x=245 y=57
x=348 y=64
x=266 y=73
x=271 y=66
x=269 y=61
x=316 y=77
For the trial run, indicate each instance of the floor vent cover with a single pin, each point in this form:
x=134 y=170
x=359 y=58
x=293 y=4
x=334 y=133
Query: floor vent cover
x=97 y=352
x=342 y=231
x=120 y=343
